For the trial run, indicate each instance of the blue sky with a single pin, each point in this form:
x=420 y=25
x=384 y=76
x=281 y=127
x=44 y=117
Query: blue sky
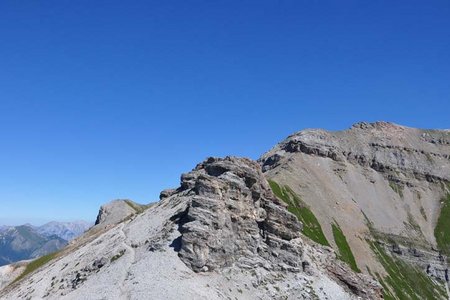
x=115 y=99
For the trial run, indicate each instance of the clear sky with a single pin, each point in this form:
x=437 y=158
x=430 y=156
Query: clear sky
x=115 y=99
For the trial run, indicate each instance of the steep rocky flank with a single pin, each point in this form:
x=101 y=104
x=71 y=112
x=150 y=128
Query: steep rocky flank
x=221 y=235
x=379 y=188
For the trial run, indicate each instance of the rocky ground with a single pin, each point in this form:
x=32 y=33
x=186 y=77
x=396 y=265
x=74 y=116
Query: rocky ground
x=379 y=182
x=221 y=235
x=9 y=272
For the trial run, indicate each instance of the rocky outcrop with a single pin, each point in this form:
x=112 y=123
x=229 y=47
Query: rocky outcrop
x=115 y=212
x=167 y=193
x=233 y=217
x=361 y=285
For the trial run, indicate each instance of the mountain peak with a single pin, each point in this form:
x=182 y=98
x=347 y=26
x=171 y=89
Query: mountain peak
x=381 y=186
x=380 y=125
x=117 y=210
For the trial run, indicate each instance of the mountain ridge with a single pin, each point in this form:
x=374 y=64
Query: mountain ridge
x=350 y=214
x=221 y=234
x=380 y=182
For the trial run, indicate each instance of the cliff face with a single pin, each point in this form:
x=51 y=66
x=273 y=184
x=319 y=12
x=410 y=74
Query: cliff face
x=244 y=224
x=383 y=185
x=222 y=234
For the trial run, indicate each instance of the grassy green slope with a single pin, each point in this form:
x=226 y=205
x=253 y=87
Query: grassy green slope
x=345 y=252
x=311 y=226
x=405 y=281
x=442 y=229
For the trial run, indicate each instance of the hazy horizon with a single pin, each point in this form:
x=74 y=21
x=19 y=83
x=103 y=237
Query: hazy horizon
x=35 y=221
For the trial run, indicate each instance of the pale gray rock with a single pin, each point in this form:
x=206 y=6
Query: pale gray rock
x=233 y=215
x=221 y=235
x=9 y=272
x=115 y=212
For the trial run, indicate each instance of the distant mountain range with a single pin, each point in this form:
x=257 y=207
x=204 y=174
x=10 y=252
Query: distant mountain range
x=65 y=230
x=26 y=241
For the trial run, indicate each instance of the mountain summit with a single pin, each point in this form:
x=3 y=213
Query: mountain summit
x=382 y=188
x=354 y=214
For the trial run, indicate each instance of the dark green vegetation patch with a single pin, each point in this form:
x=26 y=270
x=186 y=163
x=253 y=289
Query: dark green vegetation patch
x=345 y=252
x=396 y=187
x=311 y=226
x=118 y=255
x=442 y=229
x=405 y=281
x=422 y=212
x=139 y=208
